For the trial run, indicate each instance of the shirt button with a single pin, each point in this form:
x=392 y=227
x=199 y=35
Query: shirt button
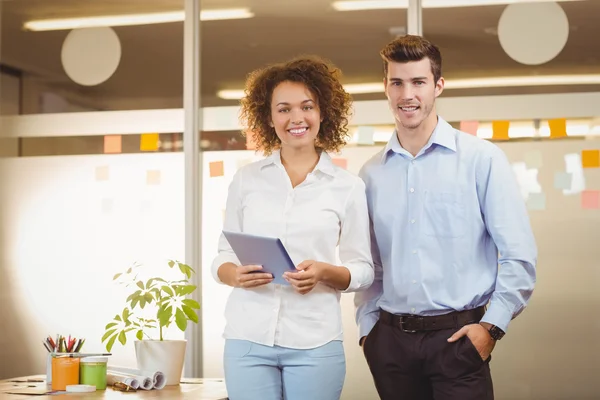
x=414 y=252
x=412 y=310
x=412 y=162
x=412 y=221
x=412 y=190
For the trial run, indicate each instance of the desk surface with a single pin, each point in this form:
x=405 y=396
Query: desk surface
x=198 y=389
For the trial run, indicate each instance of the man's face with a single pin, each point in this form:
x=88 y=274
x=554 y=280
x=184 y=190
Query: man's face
x=411 y=92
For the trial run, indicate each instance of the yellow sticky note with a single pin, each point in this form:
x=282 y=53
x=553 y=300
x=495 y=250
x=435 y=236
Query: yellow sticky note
x=216 y=168
x=149 y=142
x=558 y=128
x=590 y=158
x=500 y=130
x=469 y=127
x=112 y=144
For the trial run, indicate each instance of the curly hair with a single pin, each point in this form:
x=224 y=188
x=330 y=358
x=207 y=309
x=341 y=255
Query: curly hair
x=323 y=81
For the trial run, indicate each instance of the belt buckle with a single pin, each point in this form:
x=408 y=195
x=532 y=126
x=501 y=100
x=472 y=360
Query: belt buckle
x=402 y=322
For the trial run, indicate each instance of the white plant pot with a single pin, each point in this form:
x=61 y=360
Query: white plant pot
x=166 y=356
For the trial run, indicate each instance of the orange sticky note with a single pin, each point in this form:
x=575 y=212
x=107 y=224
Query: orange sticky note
x=250 y=141
x=500 y=130
x=149 y=142
x=590 y=158
x=112 y=144
x=469 y=127
x=590 y=199
x=558 y=128
x=215 y=169
x=340 y=162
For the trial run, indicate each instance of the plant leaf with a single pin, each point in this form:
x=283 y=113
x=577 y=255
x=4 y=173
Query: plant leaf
x=148 y=297
x=191 y=314
x=110 y=343
x=117 y=276
x=171 y=263
x=118 y=318
x=129 y=270
x=134 y=295
x=168 y=290
x=142 y=302
x=191 y=303
x=164 y=315
x=107 y=334
x=180 y=319
x=110 y=325
x=122 y=338
x=186 y=289
x=140 y=284
x=139 y=335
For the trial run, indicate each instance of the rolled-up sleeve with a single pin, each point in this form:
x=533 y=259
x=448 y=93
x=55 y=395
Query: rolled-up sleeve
x=354 y=244
x=233 y=222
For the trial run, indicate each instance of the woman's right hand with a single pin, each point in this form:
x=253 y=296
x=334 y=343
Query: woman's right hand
x=244 y=276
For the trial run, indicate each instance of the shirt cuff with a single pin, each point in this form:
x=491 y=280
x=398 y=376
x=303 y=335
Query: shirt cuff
x=497 y=315
x=361 y=277
x=366 y=323
x=220 y=260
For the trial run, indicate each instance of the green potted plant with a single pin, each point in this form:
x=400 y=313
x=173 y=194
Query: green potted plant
x=154 y=305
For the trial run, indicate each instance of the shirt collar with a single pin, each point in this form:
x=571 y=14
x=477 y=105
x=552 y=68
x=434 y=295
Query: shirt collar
x=324 y=165
x=443 y=135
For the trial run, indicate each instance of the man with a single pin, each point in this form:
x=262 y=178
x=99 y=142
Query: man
x=445 y=210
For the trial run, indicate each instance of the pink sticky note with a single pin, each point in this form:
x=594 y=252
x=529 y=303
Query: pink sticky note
x=590 y=199
x=340 y=162
x=469 y=127
x=112 y=144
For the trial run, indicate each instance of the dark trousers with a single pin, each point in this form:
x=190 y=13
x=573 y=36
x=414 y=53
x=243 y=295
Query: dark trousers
x=422 y=365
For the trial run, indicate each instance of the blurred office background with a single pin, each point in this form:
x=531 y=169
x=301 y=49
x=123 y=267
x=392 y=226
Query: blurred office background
x=94 y=176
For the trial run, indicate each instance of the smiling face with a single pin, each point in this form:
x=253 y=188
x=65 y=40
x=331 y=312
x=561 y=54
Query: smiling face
x=295 y=115
x=411 y=91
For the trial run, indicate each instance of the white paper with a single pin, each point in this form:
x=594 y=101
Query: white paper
x=574 y=167
x=148 y=379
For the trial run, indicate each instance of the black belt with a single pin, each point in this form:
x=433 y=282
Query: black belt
x=416 y=323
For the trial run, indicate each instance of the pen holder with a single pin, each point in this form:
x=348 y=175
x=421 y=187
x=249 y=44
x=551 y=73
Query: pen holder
x=92 y=371
x=65 y=371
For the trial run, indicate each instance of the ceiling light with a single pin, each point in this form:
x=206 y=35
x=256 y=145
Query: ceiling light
x=391 y=4
x=473 y=83
x=133 y=19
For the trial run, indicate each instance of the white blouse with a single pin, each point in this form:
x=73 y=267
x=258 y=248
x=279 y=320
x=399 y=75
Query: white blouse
x=327 y=210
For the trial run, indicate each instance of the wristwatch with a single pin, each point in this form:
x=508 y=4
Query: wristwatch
x=496 y=333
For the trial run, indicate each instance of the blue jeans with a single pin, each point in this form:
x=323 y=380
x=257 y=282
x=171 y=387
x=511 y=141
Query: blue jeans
x=257 y=372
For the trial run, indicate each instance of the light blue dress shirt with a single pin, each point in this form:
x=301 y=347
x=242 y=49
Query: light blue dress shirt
x=449 y=231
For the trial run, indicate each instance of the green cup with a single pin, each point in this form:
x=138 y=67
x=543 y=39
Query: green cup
x=92 y=371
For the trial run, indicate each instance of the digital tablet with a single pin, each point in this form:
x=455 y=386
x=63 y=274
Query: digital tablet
x=261 y=250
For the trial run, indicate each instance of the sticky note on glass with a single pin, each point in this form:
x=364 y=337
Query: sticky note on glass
x=365 y=135
x=102 y=173
x=573 y=166
x=536 y=201
x=216 y=168
x=152 y=177
x=112 y=144
x=340 y=162
x=590 y=158
x=563 y=180
x=149 y=142
x=558 y=128
x=250 y=141
x=590 y=199
x=500 y=130
x=107 y=205
x=533 y=159
x=469 y=127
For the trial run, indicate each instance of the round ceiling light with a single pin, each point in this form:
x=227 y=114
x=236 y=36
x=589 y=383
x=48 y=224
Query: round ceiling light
x=533 y=33
x=91 y=55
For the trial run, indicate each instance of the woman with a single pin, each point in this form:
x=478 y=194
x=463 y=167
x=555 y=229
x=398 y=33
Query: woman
x=285 y=341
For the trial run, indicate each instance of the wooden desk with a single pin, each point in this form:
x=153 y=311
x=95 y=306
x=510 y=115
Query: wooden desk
x=197 y=389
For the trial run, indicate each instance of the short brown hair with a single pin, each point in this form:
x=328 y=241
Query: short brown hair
x=412 y=48
x=323 y=81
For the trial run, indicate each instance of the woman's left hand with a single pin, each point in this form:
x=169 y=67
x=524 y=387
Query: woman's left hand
x=306 y=278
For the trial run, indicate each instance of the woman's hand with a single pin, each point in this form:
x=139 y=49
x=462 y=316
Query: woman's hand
x=309 y=273
x=245 y=276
